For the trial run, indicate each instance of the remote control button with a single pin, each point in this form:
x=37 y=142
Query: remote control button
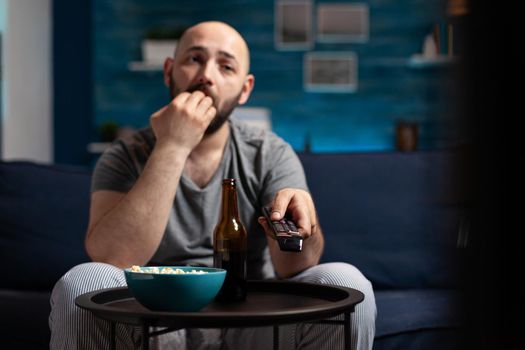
x=278 y=226
x=292 y=226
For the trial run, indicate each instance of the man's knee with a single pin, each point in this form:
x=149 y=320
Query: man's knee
x=71 y=326
x=87 y=277
x=337 y=273
x=364 y=317
x=81 y=279
x=342 y=274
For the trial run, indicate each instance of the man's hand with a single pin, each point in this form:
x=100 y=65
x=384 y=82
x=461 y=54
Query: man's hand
x=298 y=204
x=184 y=120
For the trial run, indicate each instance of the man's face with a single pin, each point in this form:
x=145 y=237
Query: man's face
x=211 y=58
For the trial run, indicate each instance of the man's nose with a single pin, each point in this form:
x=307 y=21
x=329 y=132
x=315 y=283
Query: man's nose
x=206 y=74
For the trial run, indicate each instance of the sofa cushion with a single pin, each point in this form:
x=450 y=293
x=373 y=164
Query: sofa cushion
x=395 y=216
x=427 y=339
x=418 y=319
x=405 y=311
x=43 y=219
x=24 y=320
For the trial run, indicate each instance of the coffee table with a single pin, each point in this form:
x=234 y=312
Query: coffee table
x=269 y=303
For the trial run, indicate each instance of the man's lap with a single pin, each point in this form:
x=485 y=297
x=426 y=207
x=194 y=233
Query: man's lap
x=92 y=276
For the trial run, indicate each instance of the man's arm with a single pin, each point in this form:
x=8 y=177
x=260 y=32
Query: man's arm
x=299 y=204
x=126 y=229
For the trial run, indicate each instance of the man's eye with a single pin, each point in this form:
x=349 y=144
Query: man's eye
x=228 y=68
x=195 y=59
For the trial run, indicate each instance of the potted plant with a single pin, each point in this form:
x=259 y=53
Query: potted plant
x=108 y=131
x=160 y=43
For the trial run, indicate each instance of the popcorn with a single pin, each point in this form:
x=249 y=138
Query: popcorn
x=164 y=270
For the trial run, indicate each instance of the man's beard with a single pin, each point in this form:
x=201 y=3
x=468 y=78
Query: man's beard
x=221 y=116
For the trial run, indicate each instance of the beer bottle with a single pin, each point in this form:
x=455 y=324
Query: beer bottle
x=229 y=246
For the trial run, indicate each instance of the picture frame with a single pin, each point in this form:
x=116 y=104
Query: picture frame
x=342 y=23
x=293 y=25
x=335 y=72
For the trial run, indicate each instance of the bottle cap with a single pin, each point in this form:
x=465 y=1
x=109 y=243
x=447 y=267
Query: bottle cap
x=230 y=182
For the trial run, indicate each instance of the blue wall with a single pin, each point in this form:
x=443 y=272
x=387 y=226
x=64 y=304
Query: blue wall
x=389 y=91
x=72 y=81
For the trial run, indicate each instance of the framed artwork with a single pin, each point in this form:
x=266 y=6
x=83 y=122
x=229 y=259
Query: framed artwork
x=341 y=22
x=330 y=72
x=293 y=25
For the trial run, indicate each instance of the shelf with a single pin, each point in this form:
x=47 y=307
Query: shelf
x=97 y=147
x=145 y=66
x=419 y=61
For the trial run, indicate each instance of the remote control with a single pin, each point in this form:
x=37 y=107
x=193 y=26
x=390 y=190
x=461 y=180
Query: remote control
x=285 y=231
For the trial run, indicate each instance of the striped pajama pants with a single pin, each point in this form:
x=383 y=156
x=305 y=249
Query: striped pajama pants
x=75 y=328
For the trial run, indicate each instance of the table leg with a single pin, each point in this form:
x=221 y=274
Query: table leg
x=348 y=340
x=275 y=337
x=145 y=337
x=113 y=335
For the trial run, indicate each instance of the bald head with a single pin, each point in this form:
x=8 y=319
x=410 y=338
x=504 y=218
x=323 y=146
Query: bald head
x=228 y=40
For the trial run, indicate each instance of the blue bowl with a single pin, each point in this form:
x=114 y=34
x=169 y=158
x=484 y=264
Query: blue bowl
x=186 y=292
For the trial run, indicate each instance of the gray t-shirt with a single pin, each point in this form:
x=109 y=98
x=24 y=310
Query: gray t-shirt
x=260 y=161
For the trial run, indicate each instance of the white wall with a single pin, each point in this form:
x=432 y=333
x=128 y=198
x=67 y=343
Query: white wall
x=27 y=123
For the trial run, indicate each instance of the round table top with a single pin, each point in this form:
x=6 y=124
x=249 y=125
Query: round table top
x=267 y=303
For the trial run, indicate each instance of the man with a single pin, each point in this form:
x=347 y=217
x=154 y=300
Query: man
x=155 y=201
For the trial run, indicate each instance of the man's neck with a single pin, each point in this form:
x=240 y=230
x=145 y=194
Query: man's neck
x=211 y=144
x=204 y=160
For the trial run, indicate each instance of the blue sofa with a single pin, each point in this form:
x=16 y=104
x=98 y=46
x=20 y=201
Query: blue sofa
x=396 y=216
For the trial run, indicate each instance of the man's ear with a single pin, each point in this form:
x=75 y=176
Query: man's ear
x=168 y=66
x=247 y=88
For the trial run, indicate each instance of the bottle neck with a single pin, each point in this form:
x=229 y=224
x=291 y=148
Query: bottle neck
x=229 y=201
